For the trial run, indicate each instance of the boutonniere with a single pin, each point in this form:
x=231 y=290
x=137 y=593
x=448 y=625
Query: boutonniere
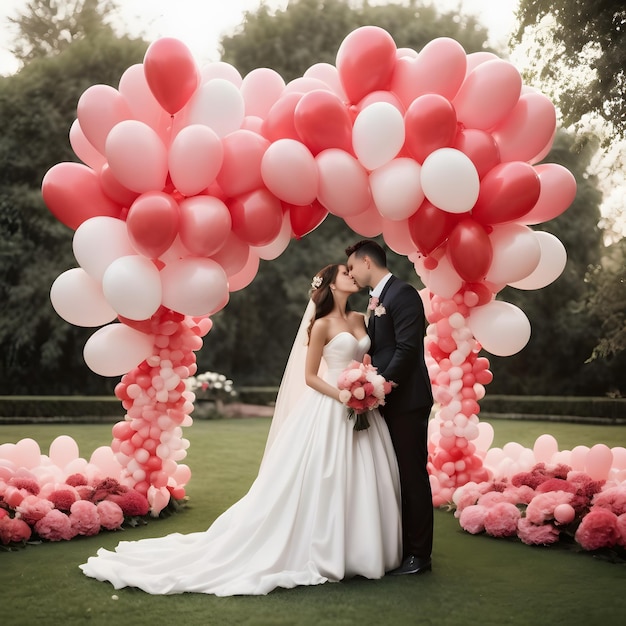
x=374 y=305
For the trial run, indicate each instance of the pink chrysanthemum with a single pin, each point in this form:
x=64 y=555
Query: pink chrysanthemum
x=55 y=526
x=111 y=515
x=519 y=495
x=536 y=534
x=63 y=499
x=472 y=518
x=501 y=520
x=131 y=502
x=541 y=507
x=13 y=530
x=613 y=499
x=76 y=479
x=32 y=508
x=84 y=518
x=598 y=529
x=468 y=494
x=21 y=482
x=491 y=498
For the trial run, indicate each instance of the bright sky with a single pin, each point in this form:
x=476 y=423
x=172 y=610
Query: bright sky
x=201 y=23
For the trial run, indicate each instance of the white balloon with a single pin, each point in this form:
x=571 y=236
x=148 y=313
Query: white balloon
x=274 y=249
x=217 y=104
x=260 y=89
x=396 y=188
x=378 y=134
x=132 y=286
x=551 y=263
x=500 y=327
x=98 y=241
x=220 y=69
x=450 y=180
x=116 y=349
x=79 y=299
x=194 y=286
x=516 y=253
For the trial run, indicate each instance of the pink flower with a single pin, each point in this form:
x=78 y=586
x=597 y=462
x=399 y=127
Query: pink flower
x=76 y=479
x=85 y=492
x=32 y=508
x=519 y=495
x=111 y=515
x=501 y=520
x=132 y=503
x=613 y=499
x=13 y=530
x=29 y=484
x=55 y=526
x=472 y=518
x=598 y=529
x=468 y=494
x=63 y=499
x=13 y=496
x=536 y=534
x=621 y=526
x=84 y=518
x=541 y=507
x=556 y=484
x=373 y=303
x=491 y=498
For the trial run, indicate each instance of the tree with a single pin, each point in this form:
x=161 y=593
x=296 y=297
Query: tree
x=47 y=27
x=579 y=52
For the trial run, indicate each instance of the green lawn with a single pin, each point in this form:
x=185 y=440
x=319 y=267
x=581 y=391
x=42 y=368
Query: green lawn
x=476 y=579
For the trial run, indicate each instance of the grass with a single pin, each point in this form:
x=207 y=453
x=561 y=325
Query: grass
x=476 y=579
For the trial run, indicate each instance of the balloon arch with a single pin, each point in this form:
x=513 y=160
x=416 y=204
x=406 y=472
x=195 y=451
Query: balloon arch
x=190 y=176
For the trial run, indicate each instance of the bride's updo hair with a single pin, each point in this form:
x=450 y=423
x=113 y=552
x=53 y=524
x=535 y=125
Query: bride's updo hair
x=321 y=293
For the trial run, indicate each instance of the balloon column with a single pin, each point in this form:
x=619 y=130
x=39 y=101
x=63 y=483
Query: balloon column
x=190 y=176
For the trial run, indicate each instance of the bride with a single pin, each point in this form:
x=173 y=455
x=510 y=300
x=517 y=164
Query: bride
x=325 y=505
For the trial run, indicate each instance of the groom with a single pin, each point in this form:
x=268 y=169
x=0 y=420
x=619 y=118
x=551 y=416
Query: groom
x=396 y=328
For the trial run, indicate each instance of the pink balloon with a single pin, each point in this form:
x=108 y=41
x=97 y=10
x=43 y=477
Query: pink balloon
x=205 y=223
x=289 y=170
x=507 y=192
x=516 y=253
x=73 y=194
x=114 y=189
x=365 y=61
x=152 y=223
x=500 y=327
x=397 y=237
x=171 y=73
x=527 y=129
x=488 y=94
x=557 y=192
x=438 y=69
x=344 y=184
x=241 y=167
x=598 y=461
x=369 y=223
x=260 y=90
x=143 y=105
x=551 y=263
x=245 y=275
x=137 y=156
x=275 y=248
x=257 y=217
x=233 y=255
x=279 y=123
x=195 y=158
x=99 y=109
x=430 y=122
x=546 y=446
x=322 y=121
x=480 y=147
x=84 y=150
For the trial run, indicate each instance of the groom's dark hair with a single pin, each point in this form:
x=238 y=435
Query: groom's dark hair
x=368 y=247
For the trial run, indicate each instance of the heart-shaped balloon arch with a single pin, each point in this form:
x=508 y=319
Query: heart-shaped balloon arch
x=189 y=177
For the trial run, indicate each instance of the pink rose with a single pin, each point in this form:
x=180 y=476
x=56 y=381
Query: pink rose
x=111 y=515
x=598 y=529
x=84 y=518
x=55 y=526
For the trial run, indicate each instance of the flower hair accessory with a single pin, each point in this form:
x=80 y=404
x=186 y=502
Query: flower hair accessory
x=316 y=282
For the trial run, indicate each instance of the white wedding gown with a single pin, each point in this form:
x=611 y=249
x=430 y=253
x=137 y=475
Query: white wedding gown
x=324 y=506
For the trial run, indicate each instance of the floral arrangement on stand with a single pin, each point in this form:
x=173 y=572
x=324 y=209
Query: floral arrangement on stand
x=212 y=388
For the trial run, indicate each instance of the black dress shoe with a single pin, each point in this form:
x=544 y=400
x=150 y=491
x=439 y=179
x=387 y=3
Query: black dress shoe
x=412 y=565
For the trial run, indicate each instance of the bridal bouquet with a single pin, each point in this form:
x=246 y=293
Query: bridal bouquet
x=361 y=390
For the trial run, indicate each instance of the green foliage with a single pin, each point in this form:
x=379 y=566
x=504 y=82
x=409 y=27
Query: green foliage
x=586 y=34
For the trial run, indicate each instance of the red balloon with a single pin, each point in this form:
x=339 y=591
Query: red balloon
x=257 y=217
x=469 y=250
x=279 y=123
x=233 y=255
x=365 y=61
x=305 y=219
x=114 y=189
x=507 y=193
x=430 y=123
x=429 y=227
x=171 y=73
x=322 y=121
x=73 y=194
x=480 y=147
x=152 y=223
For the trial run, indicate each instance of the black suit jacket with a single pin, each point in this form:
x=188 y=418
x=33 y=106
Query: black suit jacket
x=397 y=348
